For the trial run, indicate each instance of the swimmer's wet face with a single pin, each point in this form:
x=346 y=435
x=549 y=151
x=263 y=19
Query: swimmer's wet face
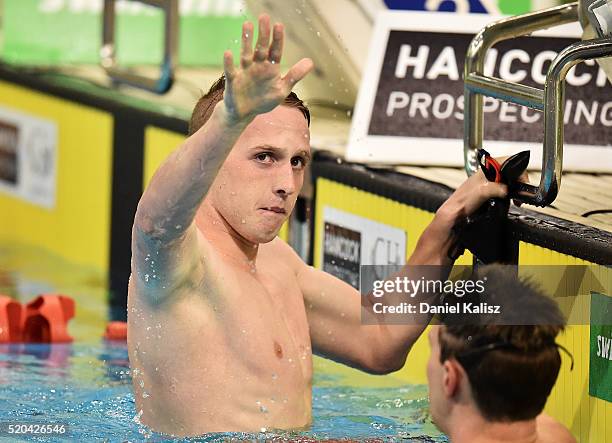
x=257 y=186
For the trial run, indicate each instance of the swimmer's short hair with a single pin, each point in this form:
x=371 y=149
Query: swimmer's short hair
x=206 y=104
x=511 y=368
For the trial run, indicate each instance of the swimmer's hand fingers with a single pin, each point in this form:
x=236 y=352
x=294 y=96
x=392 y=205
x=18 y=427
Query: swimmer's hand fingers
x=256 y=86
x=470 y=196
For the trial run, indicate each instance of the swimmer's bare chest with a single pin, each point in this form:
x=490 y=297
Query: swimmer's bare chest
x=238 y=338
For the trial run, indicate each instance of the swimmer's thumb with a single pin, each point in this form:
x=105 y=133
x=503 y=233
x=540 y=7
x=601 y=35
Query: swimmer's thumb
x=495 y=190
x=298 y=72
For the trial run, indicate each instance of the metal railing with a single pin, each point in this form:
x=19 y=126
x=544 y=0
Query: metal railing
x=108 y=59
x=550 y=100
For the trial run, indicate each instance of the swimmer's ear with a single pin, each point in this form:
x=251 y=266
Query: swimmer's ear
x=453 y=373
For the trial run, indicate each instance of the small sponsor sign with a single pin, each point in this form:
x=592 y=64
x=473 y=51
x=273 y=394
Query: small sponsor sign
x=349 y=241
x=28 y=157
x=600 y=368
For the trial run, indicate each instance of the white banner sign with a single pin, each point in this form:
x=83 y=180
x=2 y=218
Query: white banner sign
x=410 y=104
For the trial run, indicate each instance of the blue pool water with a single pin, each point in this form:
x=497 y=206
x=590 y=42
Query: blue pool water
x=87 y=384
x=88 y=388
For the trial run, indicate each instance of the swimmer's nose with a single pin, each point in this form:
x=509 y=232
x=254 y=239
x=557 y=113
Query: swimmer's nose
x=285 y=182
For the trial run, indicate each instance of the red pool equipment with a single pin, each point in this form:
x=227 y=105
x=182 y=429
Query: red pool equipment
x=10 y=319
x=116 y=330
x=46 y=319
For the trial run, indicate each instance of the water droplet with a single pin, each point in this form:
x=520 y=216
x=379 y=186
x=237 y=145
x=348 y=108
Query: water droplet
x=178 y=226
x=243 y=221
x=136 y=418
x=273 y=62
x=318 y=34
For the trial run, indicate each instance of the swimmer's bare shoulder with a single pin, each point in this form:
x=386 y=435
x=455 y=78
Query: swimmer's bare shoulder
x=551 y=431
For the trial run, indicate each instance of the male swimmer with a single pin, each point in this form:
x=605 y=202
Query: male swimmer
x=223 y=315
x=488 y=380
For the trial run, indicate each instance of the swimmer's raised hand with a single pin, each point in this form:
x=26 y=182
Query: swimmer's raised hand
x=257 y=86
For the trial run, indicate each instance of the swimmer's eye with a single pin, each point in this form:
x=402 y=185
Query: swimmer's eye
x=262 y=156
x=298 y=161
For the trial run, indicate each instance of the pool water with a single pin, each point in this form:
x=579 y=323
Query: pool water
x=87 y=386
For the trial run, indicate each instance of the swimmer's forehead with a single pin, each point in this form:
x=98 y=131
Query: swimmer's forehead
x=285 y=117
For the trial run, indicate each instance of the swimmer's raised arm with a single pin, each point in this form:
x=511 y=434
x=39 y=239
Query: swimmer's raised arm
x=164 y=230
